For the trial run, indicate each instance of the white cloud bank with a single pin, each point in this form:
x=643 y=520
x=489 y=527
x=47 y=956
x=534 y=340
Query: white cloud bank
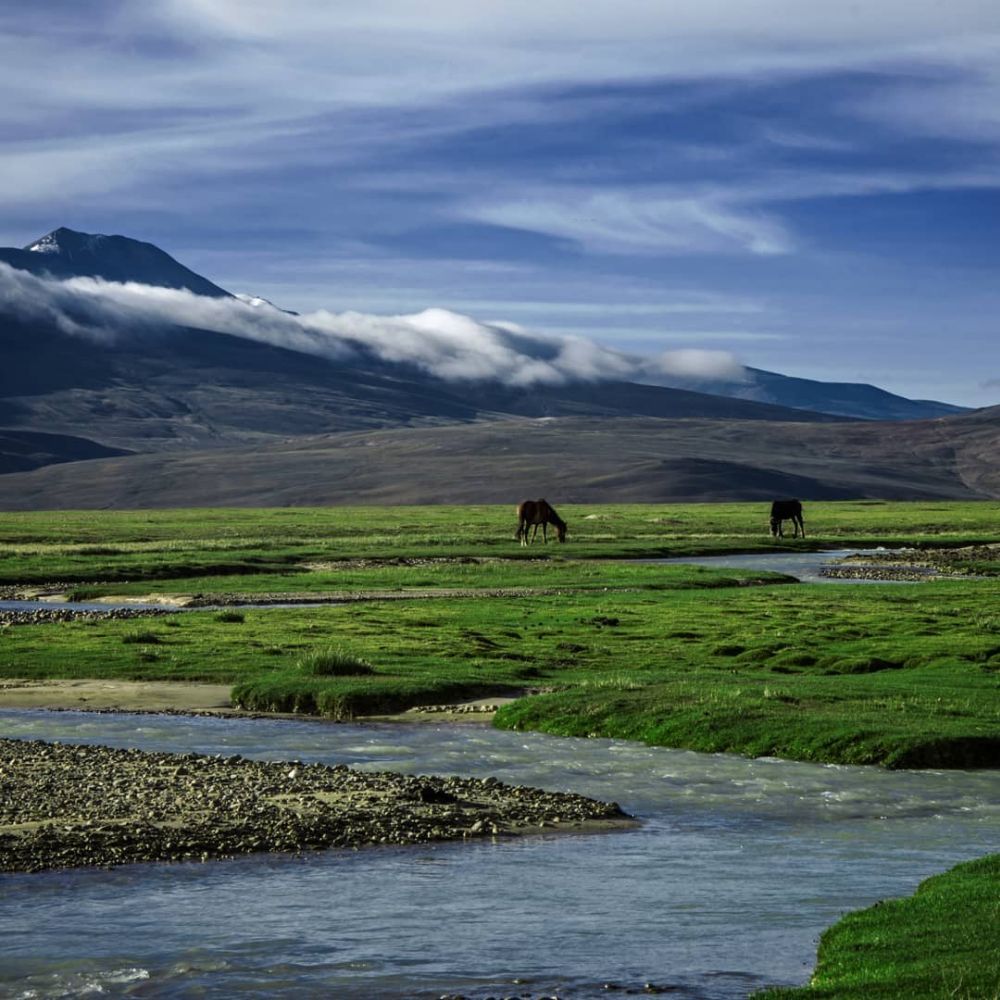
x=441 y=343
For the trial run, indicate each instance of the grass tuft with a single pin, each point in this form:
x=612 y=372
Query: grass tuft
x=233 y=617
x=144 y=638
x=334 y=663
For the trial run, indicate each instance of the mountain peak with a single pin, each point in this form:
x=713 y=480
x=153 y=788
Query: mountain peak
x=67 y=253
x=63 y=240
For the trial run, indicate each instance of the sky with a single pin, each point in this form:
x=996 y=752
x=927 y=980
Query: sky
x=812 y=189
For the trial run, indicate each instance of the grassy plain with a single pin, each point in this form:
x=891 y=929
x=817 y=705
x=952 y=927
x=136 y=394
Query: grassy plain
x=74 y=546
x=672 y=655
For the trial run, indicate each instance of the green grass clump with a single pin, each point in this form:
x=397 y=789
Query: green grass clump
x=334 y=663
x=839 y=674
x=343 y=698
x=939 y=944
x=144 y=637
x=231 y=617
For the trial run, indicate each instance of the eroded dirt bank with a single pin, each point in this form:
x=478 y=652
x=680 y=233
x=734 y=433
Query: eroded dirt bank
x=65 y=805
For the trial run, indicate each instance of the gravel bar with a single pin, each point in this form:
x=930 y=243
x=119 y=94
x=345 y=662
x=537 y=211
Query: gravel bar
x=38 y=616
x=67 y=806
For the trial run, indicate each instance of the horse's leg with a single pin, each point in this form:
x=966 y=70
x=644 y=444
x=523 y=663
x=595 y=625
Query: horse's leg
x=545 y=536
x=534 y=533
x=802 y=525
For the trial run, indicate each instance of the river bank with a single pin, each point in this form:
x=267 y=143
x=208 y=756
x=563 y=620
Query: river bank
x=68 y=806
x=191 y=698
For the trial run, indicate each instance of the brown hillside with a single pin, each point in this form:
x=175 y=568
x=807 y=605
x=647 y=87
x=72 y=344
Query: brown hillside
x=572 y=459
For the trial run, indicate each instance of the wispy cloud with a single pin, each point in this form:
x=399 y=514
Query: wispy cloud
x=698 y=364
x=637 y=222
x=149 y=78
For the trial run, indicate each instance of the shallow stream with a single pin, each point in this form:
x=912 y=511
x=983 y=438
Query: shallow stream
x=806 y=567
x=737 y=868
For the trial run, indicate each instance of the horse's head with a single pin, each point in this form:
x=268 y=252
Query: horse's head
x=561 y=531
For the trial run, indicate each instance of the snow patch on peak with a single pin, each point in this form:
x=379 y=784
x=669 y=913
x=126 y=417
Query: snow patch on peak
x=47 y=244
x=255 y=300
x=259 y=302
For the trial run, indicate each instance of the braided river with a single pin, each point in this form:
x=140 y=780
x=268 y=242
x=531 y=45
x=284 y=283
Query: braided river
x=736 y=869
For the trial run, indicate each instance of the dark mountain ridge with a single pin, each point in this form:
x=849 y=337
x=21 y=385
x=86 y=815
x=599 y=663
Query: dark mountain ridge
x=197 y=388
x=852 y=400
x=66 y=253
x=847 y=399
x=177 y=389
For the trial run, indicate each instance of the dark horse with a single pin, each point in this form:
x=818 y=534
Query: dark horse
x=534 y=513
x=786 y=510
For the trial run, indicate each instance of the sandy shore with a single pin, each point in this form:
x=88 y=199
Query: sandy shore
x=66 y=805
x=192 y=698
x=112 y=696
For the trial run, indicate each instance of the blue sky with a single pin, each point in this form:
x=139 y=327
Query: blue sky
x=814 y=191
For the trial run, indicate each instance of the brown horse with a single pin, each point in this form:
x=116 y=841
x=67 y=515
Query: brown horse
x=787 y=510
x=532 y=513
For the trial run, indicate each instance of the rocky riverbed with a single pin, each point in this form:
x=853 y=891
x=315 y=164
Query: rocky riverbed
x=66 y=806
x=36 y=616
x=914 y=565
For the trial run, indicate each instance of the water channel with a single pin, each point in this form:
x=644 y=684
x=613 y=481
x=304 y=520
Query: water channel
x=737 y=868
x=805 y=566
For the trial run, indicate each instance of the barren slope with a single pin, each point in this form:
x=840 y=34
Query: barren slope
x=572 y=459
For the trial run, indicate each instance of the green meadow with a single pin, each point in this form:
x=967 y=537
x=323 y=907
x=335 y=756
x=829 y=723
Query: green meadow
x=82 y=546
x=445 y=606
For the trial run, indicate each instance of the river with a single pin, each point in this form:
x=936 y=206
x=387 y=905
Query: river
x=737 y=868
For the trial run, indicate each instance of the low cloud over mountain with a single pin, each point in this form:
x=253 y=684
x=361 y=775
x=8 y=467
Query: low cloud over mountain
x=444 y=344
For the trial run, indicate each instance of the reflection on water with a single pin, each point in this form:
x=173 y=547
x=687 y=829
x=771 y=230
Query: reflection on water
x=738 y=867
